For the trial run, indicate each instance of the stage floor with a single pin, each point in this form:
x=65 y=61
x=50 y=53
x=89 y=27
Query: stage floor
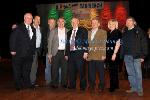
x=8 y=92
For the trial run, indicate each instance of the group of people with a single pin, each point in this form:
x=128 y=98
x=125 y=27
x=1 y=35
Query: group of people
x=68 y=51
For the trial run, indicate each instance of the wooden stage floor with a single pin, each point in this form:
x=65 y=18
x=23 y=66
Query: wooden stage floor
x=8 y=92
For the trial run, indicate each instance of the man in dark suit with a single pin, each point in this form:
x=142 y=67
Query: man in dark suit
x=22 y=48
x=76 y=50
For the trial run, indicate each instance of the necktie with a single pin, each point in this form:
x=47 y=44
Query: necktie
x=28 y=31
x=72 y=41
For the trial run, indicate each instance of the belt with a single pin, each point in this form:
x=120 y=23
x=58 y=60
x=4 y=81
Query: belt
x=61 y=50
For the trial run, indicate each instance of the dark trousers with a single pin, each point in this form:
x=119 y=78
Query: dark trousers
x=21 y=70
x=59 y=61
x=76 y=64
x=113 y=74
x=99 y=66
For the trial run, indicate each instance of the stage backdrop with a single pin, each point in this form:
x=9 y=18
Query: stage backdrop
x=85 y=11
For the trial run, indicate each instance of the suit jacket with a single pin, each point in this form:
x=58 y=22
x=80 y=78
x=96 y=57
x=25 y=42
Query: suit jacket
x=53 y=41
x=21 y=43
x=81 y=41
x=45 y=35
x=42 y=42
x=112 y=38
x=97 y=46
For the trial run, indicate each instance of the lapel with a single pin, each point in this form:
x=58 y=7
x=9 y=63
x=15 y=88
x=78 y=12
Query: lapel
x=77 y=34
x=96 y=35
x=56 y=34
x=66 y=33
x=25 y=31
x=89 y=35
x=69 y=34
x=34 y=32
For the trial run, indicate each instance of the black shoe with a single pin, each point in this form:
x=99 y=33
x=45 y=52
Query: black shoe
x=91 y=89
x=35 y=85
x=100 y=90
x=111 y=89
x=82 y=89
x=18 y=89
x=54 y=86
x=117 y=87
x=70 y=87
x=64 y=86
x=32 y=86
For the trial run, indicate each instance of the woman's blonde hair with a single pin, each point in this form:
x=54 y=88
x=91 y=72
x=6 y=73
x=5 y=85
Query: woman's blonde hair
x=113 y=21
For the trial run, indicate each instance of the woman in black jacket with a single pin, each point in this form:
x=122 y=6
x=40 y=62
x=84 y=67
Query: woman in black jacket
x=113 y=45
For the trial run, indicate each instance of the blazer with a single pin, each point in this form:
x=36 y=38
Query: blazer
x=21 y=43
x=42 y=42
x=97 y=46
x=81 y=40
x=45 y=34
x=53 y=42
x=112 y=38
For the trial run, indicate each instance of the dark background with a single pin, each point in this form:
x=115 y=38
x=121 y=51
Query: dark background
x=12 y=12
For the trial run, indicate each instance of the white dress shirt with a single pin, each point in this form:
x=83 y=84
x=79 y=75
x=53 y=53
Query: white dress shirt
x=61 y=37
x=30 y=30
x=38 y=36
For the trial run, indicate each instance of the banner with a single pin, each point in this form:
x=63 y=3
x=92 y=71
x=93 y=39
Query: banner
x=86 y=11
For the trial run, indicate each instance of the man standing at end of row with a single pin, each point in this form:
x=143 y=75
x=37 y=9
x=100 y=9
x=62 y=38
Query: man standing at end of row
x=22 y=48
x=134 y=50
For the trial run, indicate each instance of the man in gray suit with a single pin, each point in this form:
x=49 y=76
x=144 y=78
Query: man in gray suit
x=56 y=54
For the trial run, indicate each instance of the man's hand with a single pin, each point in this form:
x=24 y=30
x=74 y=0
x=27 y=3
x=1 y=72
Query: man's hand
x=103 y=57
x=142 y=59
x=85 y=55
x=66 y=57
x=49 y=58
x=13 y=53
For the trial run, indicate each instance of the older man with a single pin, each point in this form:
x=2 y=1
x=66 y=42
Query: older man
x=22 y=48
x=76 y=50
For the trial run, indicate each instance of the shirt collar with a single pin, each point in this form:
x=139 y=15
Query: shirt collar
x=75 y=28
x=27 y=25
x=131 y=28
x=61 y=28
x=94 y=30
x=36 y=27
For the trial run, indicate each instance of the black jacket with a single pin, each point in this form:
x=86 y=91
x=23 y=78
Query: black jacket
x=81 y=41
x=45 y=35
x=20 y=41
x=112 y=38
x=134 y=42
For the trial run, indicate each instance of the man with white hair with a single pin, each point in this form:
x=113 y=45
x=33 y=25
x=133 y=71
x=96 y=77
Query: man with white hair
x=22 y=48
